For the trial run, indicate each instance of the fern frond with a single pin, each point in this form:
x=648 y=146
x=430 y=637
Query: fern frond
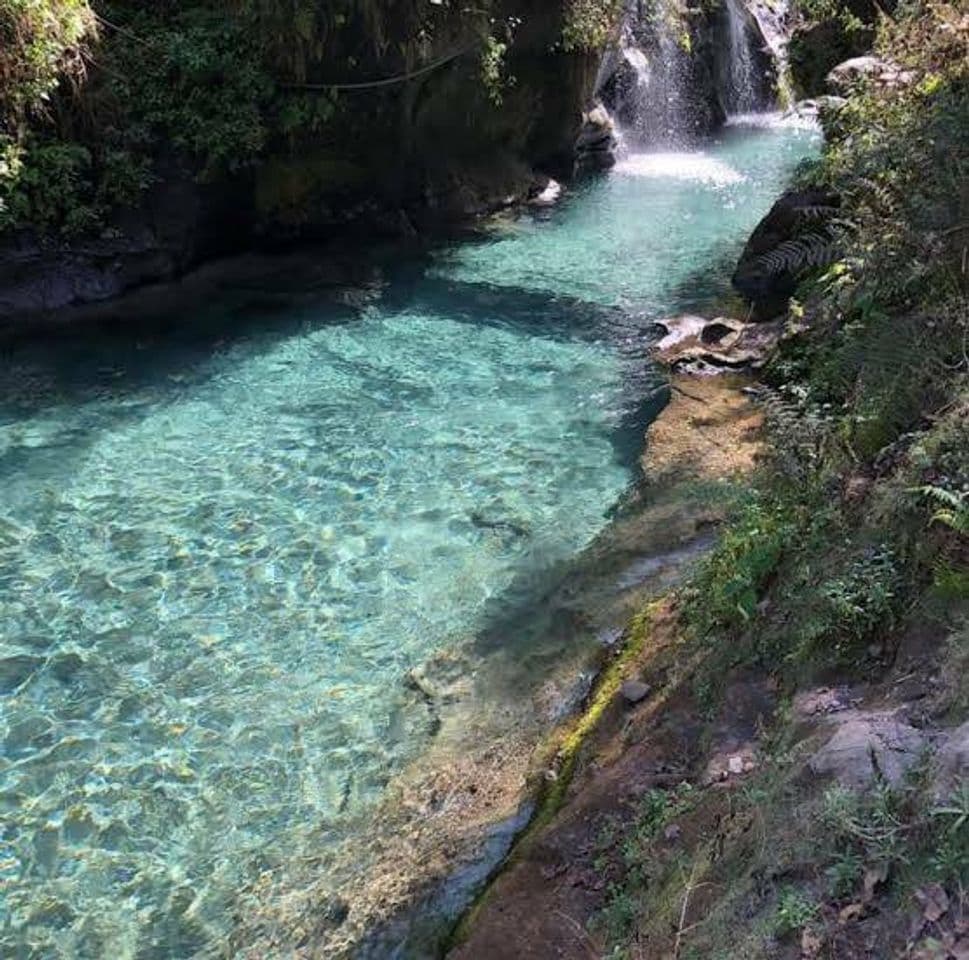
x=954 y=512
x=809 y=251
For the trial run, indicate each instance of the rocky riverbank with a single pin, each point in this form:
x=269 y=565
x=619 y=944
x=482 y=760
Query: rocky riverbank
x=497 y=752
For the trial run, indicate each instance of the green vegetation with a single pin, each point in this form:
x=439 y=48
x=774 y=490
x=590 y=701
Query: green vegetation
x=868 y=404
x=851 y=550
x=589 y=24
x=101 y=98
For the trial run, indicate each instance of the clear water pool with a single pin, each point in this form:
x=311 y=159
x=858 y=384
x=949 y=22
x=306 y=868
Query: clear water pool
x=222 y=550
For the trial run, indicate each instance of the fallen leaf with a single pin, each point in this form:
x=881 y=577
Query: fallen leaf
x=852 y=912
x=933 y=900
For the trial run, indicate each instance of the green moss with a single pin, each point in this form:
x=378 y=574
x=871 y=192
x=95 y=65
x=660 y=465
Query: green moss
x=567 y=747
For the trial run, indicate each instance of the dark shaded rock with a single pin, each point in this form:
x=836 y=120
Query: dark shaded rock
x=402 y=160
x=716 y=331
x=767 y=281
x=595 y=150
x=816 y=48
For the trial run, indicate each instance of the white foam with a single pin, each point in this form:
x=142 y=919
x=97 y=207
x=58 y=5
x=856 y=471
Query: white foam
x=679 y=166
x=791 y=119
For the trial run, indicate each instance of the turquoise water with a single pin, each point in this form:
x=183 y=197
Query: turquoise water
x=222 y=549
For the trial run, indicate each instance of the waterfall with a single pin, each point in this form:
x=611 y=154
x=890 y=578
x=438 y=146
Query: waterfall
x=675 y=75
x=742 y=88
x=645 y=83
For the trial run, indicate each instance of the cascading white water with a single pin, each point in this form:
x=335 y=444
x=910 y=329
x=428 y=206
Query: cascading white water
x=648 y=77
x=742 y=92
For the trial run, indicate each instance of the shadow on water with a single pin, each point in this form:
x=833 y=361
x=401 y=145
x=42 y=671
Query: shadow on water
x=127 y=359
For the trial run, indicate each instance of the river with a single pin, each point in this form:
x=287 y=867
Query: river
x=224 y=549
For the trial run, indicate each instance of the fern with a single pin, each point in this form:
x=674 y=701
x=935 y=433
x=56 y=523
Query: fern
x=809 y=251
x=953 y=509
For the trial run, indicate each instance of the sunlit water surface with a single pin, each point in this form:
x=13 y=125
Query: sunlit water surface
x=221 y=551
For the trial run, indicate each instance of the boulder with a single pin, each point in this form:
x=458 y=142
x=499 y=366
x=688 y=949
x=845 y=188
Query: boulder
x=595 y=149
x=634 y=691
x=856 y=69
x=764 y=277
x=866 y=747
x=816 y=48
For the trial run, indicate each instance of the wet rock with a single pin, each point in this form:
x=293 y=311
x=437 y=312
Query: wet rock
x=770 y=268
x=634 y=691
x=952 y=763
x=550 y=195
x=866 y=747
x=595 y=149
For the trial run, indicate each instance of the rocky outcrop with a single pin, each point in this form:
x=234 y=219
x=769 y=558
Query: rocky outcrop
x=699 y=346
x=391 y=162
x=816 y=47
x=793 y=237
x=851 y=72
x=675 y=75
x=869 y=747
x=952 y=763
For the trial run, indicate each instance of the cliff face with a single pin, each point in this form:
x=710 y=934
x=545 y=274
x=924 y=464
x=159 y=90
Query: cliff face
x=484 y=109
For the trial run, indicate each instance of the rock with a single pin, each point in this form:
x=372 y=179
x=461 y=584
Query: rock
x=852 y=70
x=952 y=763
x=735 y=766
x=717 y=331
x=634 y=691
x=549 y=196
x=595 y=149
x=673 y=832
x=816 y=48
x=869 y=746
x=708 y=346
x=856 y=69
x=766 y=279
